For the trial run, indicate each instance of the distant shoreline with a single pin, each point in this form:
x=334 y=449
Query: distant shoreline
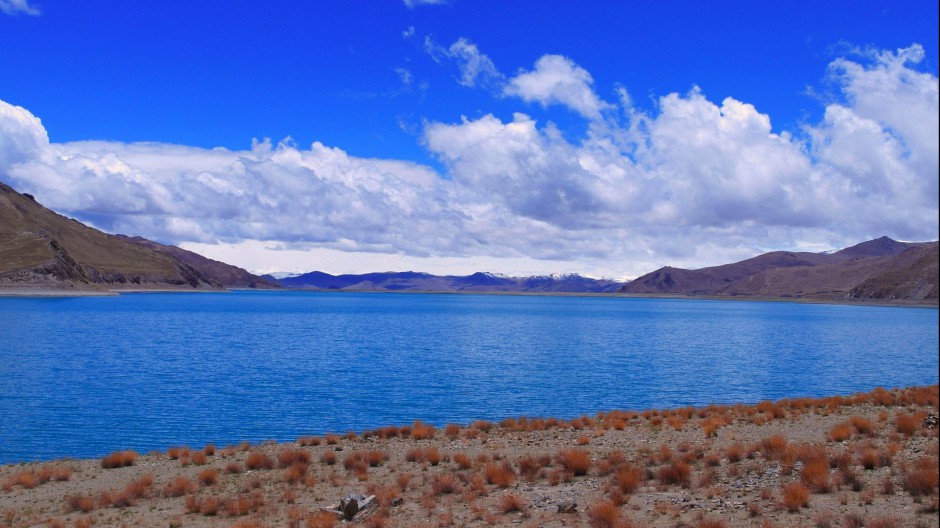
x=54 y=292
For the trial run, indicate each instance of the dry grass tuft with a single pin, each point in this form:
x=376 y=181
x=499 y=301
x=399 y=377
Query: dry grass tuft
x=257 y=460
x=795 y=496
x=604 y=514
x=499 y=475
x=420 y=431
x=907 y=424
x=575 y=461
x=290 y=457
x=179 y=487
x=921 y=477
x=512 y=503
x=677 y=473
x=119 y=459
x=840 y=432
x=462 y=460
x=628 y=479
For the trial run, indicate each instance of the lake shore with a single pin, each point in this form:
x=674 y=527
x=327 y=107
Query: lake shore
x=57 y=292
x=867 y=459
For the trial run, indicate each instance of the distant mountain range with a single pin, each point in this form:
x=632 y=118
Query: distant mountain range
x=881 y=269
x=478 y=282
x=42 y=249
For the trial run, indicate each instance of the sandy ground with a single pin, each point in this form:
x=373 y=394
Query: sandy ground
x=866 y=460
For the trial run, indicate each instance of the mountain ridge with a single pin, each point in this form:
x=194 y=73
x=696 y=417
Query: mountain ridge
x=40 y=248
x=479 y=282
x=878 y=269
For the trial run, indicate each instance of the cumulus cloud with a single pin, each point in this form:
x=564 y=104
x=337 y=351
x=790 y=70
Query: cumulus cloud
x=558 y=80
x=691 y=183
x=16 y=7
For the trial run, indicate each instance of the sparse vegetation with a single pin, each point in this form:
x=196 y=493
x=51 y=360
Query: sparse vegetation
x=631 y=465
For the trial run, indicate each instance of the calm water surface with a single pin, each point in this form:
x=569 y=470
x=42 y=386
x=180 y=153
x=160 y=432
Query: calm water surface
x=82 y=377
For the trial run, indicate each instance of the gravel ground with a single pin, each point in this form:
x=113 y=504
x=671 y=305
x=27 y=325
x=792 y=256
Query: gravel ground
x=865 y=460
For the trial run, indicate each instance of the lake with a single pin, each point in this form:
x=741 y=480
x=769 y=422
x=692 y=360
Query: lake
x=84 y=376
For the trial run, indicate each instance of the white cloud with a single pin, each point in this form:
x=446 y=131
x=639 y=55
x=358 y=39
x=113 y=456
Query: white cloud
x=15 y=7
x=476 y=69
x=411 y=4
x=558 y=80
x=692 y=183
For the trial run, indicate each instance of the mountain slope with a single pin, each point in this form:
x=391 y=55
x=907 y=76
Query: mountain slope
x=889 y=270
x=40 y=248
x=226 y=274
x=912 y=274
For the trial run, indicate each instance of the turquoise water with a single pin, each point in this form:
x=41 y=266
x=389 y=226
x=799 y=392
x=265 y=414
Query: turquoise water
x=82 y=377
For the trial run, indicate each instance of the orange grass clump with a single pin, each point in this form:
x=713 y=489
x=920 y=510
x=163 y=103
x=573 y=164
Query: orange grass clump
x=82 y=503
x=629 y=478
x=795 y=496
x=178 y=487
x=462 y=460
x=907 y=424
x=815 y=474
x=420 y=431
x=499 y=475
x=259 y=461
x=773 y=447
x=678 y=473
x=443 y=484
x=290 y=457
x=604 y=514
x=575 y=461
x=512 y=503
x=208 y=477
x=452 y=431
x=119 y=459
x=922 y=477
x=840 y=432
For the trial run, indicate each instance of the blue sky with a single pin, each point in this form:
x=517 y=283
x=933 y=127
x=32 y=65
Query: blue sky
x=516 y=137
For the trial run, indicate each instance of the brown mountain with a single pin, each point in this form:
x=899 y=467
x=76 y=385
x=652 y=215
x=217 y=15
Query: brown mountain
x=888 y=269
x=912 y=275
x=40 y=248
x=228 y=275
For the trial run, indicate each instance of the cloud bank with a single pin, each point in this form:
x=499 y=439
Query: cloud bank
x=692 y=183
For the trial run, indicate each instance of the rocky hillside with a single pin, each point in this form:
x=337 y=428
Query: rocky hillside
x=877 y=269
x=42 y=249
x=226 y=274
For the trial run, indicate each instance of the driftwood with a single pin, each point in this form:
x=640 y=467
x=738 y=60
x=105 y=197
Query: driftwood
x=354 y=507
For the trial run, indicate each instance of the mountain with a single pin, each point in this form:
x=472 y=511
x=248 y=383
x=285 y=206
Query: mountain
x=226 y=274
x=912 y=275
x=877 y=269
x=40 y=248
x=477 y=282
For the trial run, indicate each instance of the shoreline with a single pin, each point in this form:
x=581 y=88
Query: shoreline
x=904 y=303
x=732 y=464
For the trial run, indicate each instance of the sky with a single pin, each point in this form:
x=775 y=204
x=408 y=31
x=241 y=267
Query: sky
x=452 y=136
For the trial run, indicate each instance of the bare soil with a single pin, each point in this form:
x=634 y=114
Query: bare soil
x=865 y=460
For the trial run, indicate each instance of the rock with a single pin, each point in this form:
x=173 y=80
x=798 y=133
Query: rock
x=349 y=505
x=930 y=421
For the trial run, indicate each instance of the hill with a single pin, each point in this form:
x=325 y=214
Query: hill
x=877 y=269
x=477 y=282
x=43 y=249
